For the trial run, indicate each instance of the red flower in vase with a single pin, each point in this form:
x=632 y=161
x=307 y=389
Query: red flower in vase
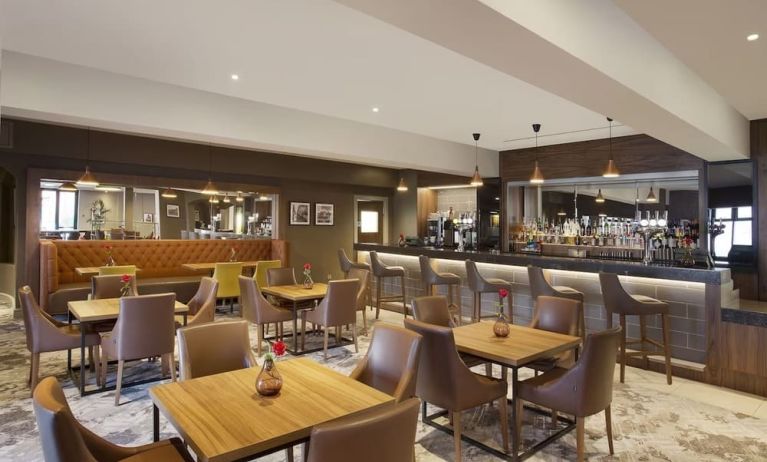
x=279 y=348
x=126 y=278
x=307 y=266
x=503 y=293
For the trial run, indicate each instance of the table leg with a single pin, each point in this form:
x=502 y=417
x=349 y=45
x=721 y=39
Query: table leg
x=82 y=359
x=69 y=352
x=155 y=423
x=185 y=315
x=514 y=442
x=295 y=327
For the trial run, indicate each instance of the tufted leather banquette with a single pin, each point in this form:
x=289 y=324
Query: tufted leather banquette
x=159 y=260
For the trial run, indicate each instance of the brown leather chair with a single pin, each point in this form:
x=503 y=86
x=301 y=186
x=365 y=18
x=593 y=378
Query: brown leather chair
x=214 y=348
x=539 y=285
x=582 y=391
x=385 y=434
x=145 y=328
x=257 y=309
x=560 y=315
x=110 y=286
x=45 y=334
x=64 y=439
x=380 y=273
x=202 y=307
x=391 y=363
x=281 y=277
x=432 y=278
x=446 y=382
x=480 y=285
x=347 y=264
x=618 y=301
x=363 y=292
x=338 y=308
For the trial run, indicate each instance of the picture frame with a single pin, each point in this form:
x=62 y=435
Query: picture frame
x=300 y=213
x=148 y=217
x=173 y=211
x=324 y=214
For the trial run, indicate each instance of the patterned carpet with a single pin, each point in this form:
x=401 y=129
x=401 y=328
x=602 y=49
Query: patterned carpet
x=648 y=423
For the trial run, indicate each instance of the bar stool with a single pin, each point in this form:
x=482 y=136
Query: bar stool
x=432 y=278
x=617 y=300
x=481 y=285
x=539 y=285
x=381 y=272
x=347 y=264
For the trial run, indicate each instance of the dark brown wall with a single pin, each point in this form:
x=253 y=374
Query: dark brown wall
x=759 y=155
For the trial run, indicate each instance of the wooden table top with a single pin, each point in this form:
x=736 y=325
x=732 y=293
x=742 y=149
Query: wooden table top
x=297 y=293
x=223 y=418
x=212 y=265
x=92 y=270
x=523 y=345
x=105 y=308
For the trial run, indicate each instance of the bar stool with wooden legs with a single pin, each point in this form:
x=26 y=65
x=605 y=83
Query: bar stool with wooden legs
x=346 y=266
x=618 y=301
x=381 y=272
x=481 y=285
x=432 y=278
x=540 y=285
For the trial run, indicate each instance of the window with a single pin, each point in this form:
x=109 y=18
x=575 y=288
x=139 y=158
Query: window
x=58 y=210
x=737 y=229
x=368 y=221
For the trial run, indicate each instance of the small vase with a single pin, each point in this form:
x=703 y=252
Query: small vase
x=308 y=283
x=687 y=259
x=501 y=326
x=125 y=291
x=233 y=256
x=110 y=261
x=269 y=381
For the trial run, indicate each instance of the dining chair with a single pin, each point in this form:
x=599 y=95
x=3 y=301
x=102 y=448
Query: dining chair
x=64 y=439
x=363 y=292
x=207 y=349
x=391 y=362
x=202 y=307
x=110 y=286
x=145 y=328
x=45 y=334
x=226 y=274
x=338 y=308
x=560 y=315
x=582 y=391
x=479 y=285
x=446 y=382
x=257 y=309
x=430 y=278
x=118 y=269
x=280 y=277
x=262 y=266
x=385 y=434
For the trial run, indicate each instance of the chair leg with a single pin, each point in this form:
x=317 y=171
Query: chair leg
x=119 y=381
x=623 y=347
x=378 y=297
x=667 y=346
x=303 y=330
x=172 y=362
x=474 y=308
x=364 y=322
x=520 y=407
x=34 y=371
x=404 y=303
x=91 y=366
x=503 y=409
x=609 y=427
x=457 y=435
x=488 y=369
x=103 y=371
x=580 y=437
x=554 y=418
x=325 y=342
x=643 y=339
x=97 y=362
x=338 y=335
x=259 y=338
x=289 y=454
x=354 y=336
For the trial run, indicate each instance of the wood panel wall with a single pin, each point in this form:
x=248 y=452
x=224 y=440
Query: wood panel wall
x=427 y=203
x=759 y=155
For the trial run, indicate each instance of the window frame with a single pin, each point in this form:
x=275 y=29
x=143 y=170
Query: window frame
x=58 y=202
x=734 y=216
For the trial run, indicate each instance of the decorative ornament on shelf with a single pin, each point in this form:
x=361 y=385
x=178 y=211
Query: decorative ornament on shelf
x=269 y=381
x=501 y=326
x=233 y=254
x=308 y=282
x=401 y=241
x=126 y=289
x=110 y=260
x=688 y=260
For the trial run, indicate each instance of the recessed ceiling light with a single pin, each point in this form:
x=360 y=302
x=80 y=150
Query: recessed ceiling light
x=752 y=37
x=235 y=77
x=376 y=109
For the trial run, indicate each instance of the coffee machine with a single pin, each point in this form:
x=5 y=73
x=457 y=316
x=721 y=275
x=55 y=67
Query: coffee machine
x=435 y=230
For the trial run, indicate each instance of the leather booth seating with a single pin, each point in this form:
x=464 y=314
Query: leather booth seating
x=159 y=262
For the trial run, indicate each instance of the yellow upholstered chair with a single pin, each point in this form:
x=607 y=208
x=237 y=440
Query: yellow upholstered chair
x=122 y=269
x=262 y=267
x=228 y=286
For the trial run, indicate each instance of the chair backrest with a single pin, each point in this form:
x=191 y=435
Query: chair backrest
x=473 y=276
x=344 y=261
x=591 y=379
x=539 y=285
x=432 y=310
x=385 y=434
x=39 y=327
x=428 y=275
x=280 y=277
x=120 y=270
x=213 y=348
x=339 y=307
x=145 y=326
x=614 y=295
x=110 y=286
x=376 y=265
x=442 y=375
x=255 y=307
x=363 y=276
x=261 y=268
x=226 y=274
x=391 y=363
x=202 y=307
x=556 y=314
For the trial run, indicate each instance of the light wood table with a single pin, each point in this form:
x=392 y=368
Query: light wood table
x=103 y=309
x=212 y=266
x=523 y=346
x=92 y=270
x=296 y=294
x=222 y=418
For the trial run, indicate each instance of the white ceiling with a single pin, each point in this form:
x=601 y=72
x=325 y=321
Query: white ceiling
x=710 y=37
x=311 y=55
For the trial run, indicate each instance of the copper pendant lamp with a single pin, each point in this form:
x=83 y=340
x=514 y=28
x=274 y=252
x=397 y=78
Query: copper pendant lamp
x=537 y=176
x=476 y=180
x=611 y=171
x=87 y=179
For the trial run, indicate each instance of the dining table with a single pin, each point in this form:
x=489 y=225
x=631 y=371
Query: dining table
x=91 y=270
x=297 y=294
x=523 y=346
x=210 y=266
x=222 y=418
x=88 y=312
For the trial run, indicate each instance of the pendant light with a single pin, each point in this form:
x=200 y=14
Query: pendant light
x=213 y=199
x=651 y=196
x=402 y=186
x=88 y=179
x=67 y=186
x=561 y=213
x=611 y=171
x=600 y=198
x=239 y=197
x=537 y=177
x=210 y=189
x=476 y=180
x=226 y=199
x=169 y=194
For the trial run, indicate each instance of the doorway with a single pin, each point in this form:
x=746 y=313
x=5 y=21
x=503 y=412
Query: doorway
x=371 y=220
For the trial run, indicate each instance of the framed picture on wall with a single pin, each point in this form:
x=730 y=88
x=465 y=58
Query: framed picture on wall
x=300 y=213
x=324 y=214
x=173 y=211
x=148 y=218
